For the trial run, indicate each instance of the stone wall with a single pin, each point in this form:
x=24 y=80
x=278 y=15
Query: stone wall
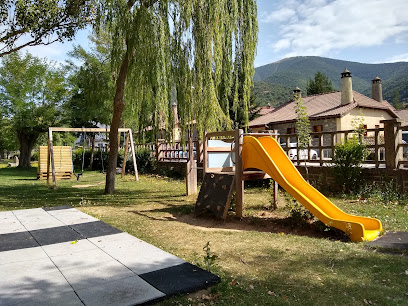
x=322 y=177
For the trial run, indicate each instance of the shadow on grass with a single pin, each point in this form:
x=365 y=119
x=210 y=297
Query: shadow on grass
x=26 y=194
x=185 y=214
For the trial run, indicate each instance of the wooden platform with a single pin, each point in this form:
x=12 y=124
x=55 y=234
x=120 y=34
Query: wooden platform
x=62 y=162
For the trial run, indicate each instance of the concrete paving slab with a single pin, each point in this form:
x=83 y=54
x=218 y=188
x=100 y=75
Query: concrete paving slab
x=184 y=278
x=81 y=259
x=26 y=268
x=55 y=235
x=93 y=275
x=102 y=269
x=15 y=241
x=11 y=227
x=128 y=291
x=22 y=255
x=69 y=247
x=65 y=299
x=6 y=214
x=41 y=223
x=73 y=217
x=54 y=208
x=95 y=229
x=62 y=212
x=18 y=290
x=30 y=213
x=136 y=254
x=9 y=223
x=121 y=239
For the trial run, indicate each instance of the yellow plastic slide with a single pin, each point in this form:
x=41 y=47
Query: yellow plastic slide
x=266 y=154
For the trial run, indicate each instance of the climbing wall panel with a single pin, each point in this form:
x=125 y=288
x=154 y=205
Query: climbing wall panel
x=215 y=194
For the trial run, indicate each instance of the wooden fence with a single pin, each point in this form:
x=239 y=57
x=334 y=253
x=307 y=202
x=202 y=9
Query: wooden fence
x=385 y=145
x=176 y=151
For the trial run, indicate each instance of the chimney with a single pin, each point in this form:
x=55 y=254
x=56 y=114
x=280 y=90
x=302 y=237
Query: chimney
x=175 y=114
x=346 y=88
x=376 y=89
x=297 y=93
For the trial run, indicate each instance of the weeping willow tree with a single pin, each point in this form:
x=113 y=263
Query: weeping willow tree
x=202 y=51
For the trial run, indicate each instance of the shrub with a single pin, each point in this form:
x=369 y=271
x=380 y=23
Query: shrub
x=297 y=211
x=144 y=161
x=386 y=192
x=34 y=156
x=347 y=160
x=99 y=157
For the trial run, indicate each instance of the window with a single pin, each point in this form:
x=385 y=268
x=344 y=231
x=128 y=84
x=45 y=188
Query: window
x=317 y=128
x=290 y=130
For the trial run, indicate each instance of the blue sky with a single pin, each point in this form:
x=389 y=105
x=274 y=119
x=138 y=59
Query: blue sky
x=374 y=31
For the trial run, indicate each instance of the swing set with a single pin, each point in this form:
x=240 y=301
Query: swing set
x=59 y=159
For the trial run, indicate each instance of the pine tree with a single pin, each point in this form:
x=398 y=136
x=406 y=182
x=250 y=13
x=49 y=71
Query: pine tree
x=319 y=85
x=397 y=100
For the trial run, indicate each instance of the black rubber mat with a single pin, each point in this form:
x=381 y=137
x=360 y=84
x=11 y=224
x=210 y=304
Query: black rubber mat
x=184 y=278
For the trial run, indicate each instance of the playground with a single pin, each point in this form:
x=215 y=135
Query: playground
x=265 y=257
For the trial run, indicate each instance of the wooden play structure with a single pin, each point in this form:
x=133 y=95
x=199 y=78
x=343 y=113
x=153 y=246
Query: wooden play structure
x=261 y=152
x=52 y=158
x=63 y=162
x=223 y=174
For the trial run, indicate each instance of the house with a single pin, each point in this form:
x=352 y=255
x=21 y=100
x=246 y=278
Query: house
x=263 y=110
x=333 y=111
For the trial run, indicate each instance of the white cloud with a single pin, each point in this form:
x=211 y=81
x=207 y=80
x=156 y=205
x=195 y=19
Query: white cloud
x=316 y=27
x=279 y=15
x=398 y=58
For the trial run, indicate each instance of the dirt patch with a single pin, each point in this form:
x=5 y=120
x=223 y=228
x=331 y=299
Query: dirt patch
x=86 y=186
x=266 y=221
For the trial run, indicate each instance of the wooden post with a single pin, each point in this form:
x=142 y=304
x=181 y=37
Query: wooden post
x=54 y=180
x=191 y=169
x=376 y=149
x=205 y=154
x=275 y=194
x=48 y=160
x=239 y=182
x=132 y=147
x=333 y=142
x=392 y=136
x=125 y=155
x=321 y=142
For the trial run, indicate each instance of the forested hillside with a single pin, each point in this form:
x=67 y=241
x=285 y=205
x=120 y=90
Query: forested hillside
x=296 y=71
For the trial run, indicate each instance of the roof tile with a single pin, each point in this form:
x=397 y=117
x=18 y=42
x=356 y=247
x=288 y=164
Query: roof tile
x=322 y=106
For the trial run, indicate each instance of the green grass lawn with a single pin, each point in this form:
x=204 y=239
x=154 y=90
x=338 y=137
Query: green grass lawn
x=264 y=258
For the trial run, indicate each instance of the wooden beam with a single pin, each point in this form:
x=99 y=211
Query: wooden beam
x=132 y=147
x=54 y=180
x=218 y=149
x=125 y=155
x=48 y=160
x=86 y=130
x=191 y=170
x=221 y=134
x=205 y=154
x=239 y=182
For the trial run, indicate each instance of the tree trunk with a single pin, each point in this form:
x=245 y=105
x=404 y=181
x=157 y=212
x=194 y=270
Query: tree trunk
x=27 y=142
x=92 y=151
x=118 y=107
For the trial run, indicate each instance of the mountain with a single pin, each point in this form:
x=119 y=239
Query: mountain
x=296 y=71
